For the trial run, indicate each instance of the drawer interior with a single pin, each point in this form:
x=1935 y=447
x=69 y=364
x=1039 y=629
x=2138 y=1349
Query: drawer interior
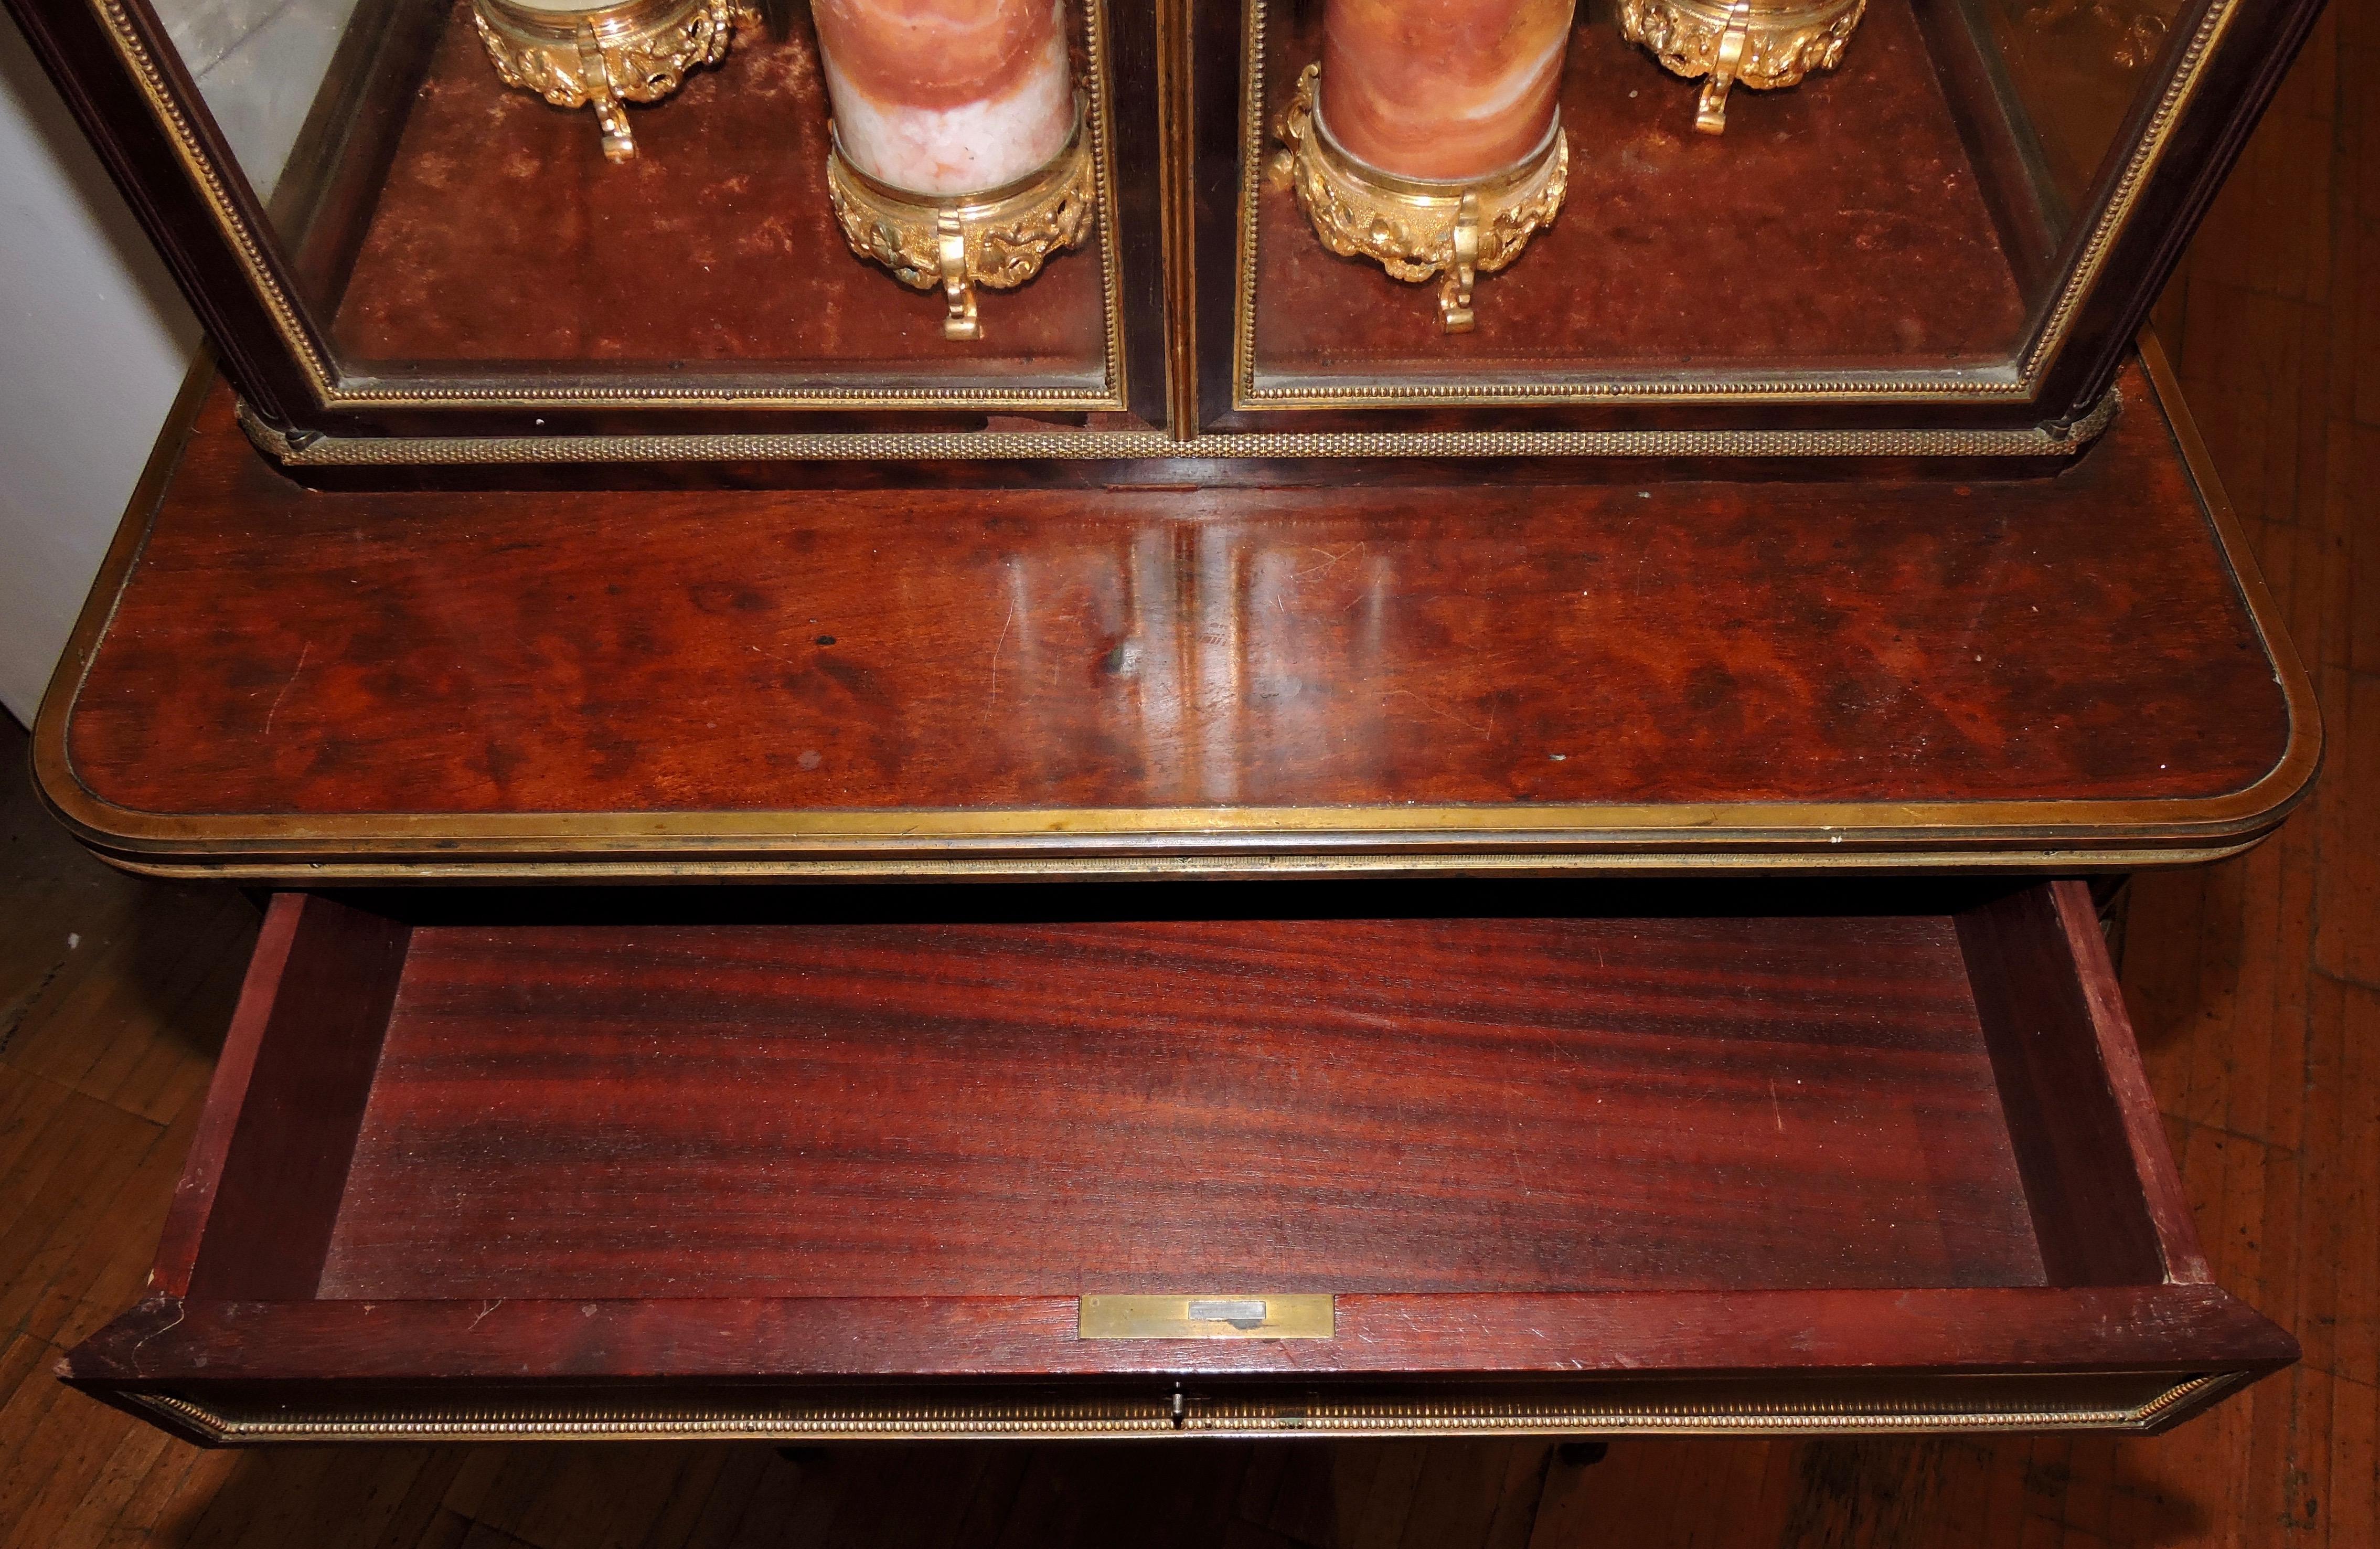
x=1418 y=1104
x=1098 y=1100
x=1872 y=1157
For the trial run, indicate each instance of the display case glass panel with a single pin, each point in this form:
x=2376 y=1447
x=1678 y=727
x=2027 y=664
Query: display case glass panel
x=1665 y=227
x=525 y=201
x=1687 y=200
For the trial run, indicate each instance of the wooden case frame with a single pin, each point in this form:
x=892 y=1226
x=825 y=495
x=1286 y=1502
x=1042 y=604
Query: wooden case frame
x=1176 y=190
x=139 y=106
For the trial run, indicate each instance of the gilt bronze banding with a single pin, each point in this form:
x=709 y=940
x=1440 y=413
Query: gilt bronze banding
x=999 y=238
x=1418 y=228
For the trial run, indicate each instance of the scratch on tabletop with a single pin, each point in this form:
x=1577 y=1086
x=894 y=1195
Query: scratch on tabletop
x=181 y=1311
x=303 y=651
x=484 y=1311
x=997 y=643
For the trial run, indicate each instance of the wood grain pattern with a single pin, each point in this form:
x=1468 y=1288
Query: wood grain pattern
x=268 y=1199
x=2081 y=1174
x=334 y=1349
x=1020 y=1110
x=292 y=655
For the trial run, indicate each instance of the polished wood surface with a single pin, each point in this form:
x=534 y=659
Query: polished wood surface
x=1354 y=1105
x=117 y=1016
x=692 y=678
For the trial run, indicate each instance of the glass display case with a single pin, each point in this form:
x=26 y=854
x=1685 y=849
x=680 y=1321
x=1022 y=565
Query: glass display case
x=693 y=230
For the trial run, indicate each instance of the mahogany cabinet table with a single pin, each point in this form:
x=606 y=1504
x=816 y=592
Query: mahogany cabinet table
x=1600 y=954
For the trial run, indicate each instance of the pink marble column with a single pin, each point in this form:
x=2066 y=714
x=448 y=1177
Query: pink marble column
x=1442 y=89
x=947 y=96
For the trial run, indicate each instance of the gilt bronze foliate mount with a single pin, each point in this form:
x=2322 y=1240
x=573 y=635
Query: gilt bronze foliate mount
x=1759 y=43
x=606 y=57
x=998 y=239
x=1417 y=228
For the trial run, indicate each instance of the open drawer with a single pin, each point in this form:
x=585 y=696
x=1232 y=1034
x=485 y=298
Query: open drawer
x=1426 y=1160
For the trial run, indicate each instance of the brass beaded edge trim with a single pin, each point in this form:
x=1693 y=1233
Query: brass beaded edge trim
x=134 y=52
x=529 y=1423
x=133 y=49
x=2146 y=154
x=2020 y=379
x=1062 y=445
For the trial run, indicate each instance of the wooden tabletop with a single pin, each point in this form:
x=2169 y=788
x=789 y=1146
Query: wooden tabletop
x=2019 y=671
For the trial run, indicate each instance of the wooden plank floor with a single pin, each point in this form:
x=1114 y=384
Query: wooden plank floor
x=2256 y=985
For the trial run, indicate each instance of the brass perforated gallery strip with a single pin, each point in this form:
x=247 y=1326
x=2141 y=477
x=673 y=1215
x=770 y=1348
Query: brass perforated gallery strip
x=1658 y=1413
x=336 y=391
x=1086 y=446
x=2019 y=380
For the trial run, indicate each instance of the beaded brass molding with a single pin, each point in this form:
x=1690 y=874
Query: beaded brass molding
x=1090 y=446
x=1763 y=45
x=608 y=56
x=2155 y=1402
x=998 y=239
x=1416 y=228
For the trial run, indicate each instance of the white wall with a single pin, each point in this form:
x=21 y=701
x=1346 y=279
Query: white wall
x=93 y=341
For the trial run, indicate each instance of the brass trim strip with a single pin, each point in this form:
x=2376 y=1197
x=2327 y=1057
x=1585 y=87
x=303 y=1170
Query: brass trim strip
x=1656 y=1415
x=1177 y=188
x=1209 y=1315
x=132 y=49
x=2008 y=835
x=1457 y=1417
x=2019 y=379
x=336 y=391
x=407 y=868
x=1073 y=445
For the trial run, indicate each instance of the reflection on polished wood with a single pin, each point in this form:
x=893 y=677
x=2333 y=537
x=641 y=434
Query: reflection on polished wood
x=1140 y=666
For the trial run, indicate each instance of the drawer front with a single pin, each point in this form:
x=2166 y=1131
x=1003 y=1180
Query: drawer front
x=2099 y=1401
x=1040 y=1165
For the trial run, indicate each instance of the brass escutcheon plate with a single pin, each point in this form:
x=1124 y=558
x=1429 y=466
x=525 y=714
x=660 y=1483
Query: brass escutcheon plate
x=1216 y=1315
